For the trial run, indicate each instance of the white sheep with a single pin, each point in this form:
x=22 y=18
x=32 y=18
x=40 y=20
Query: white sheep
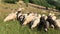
x=44 y=22
x=22 y=17
x=12 y=16
x=29 y=18
x=51 y=19
x=36 y=21
x=58 y=23
x=52 y=15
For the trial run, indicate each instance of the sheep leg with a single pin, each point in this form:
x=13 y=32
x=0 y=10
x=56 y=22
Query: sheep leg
x=46 y=26
x=36 y=22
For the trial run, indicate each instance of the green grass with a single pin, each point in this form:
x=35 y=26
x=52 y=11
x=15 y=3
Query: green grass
x=14 y=27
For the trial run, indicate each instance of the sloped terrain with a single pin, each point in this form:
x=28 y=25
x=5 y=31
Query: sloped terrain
x=14 y=27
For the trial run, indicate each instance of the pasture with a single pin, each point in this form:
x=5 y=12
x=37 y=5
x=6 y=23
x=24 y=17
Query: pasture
x=14 y=26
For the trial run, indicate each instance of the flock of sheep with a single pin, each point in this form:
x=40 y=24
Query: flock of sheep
x=35 y=19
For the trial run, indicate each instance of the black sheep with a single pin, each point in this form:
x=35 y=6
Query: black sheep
x=44 y=23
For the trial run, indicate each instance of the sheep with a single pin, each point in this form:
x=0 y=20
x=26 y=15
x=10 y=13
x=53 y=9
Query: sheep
x=58 y=23
x=44 y=22
x=51 y=19
x=29 y=18
x=53 y=16
x=12 y=16
x=24 y=15
x=22 y=18
x=36 y=21
x=19 y=13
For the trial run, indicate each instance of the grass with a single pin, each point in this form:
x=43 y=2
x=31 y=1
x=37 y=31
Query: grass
x=14 y=27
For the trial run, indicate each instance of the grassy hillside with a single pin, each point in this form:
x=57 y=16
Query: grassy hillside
x=14 y=27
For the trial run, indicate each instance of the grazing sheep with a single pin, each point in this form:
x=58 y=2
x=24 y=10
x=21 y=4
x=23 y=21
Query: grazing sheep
x=58 y=23
x=22 y=18
x=44 y=22
x=12 y=16
x=51 y=19
x=36 y=21
x=18 y=14
x=52 y=15
x=29 y=18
